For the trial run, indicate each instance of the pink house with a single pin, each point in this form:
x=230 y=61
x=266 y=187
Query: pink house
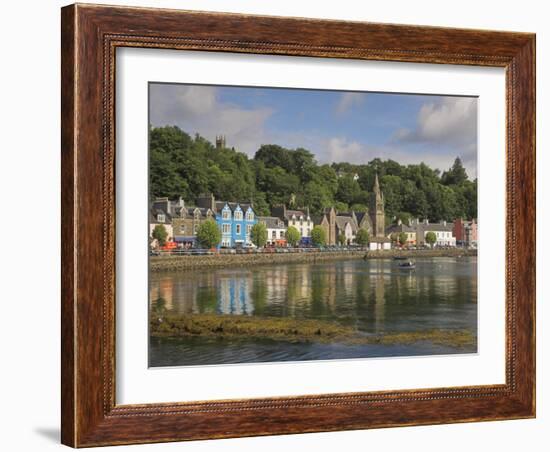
x=465 y=232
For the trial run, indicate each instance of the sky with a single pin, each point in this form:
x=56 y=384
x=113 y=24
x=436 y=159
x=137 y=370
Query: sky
x=336 y=126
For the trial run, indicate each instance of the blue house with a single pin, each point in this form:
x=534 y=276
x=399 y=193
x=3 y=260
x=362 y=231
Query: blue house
x=234 y=219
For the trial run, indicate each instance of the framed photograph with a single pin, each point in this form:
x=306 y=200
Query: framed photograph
x=282 y=225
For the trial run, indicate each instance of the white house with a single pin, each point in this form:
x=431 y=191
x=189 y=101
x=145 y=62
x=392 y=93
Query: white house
x=379 y=243
x=276 y=230
x=443 y=233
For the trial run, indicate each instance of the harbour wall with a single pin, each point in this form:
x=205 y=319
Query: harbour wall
x=179 y=263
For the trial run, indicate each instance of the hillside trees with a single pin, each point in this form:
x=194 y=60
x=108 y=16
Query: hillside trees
x=181 y=165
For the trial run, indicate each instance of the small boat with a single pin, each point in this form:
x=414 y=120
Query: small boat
x=399 y=258
x=409 y=265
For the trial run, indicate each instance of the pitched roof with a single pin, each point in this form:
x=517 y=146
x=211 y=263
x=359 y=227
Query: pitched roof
x=233 y=205
x=400 y=228
x=436 y=227
x=272 y=222
x=317 y=219
x=153 y=215
x=342 y=220
x=298 y=213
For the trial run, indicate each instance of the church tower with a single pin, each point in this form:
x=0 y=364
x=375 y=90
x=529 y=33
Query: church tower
x=377 y=210
x=220 y=141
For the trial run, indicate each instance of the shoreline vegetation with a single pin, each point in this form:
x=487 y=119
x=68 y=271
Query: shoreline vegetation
x=178 y=263
x=215 y=326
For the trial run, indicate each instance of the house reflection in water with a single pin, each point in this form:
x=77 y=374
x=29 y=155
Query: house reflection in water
x=373 y=296
x=234 y=295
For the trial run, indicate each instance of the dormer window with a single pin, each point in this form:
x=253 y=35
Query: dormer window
x=161 y=218
x=226 y=214
x=238 y=215
x=250 y=216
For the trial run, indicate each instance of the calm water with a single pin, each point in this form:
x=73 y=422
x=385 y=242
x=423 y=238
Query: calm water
x=372 y=296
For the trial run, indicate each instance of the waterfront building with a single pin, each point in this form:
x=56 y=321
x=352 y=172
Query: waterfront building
x=346 y=226
x=160 y=213
x=300 y=219
x=347 y=223
x=186 y=221
x=443 y=232
x=465 y=232
x=235 y=220
x=402 y=227
x=276 y=230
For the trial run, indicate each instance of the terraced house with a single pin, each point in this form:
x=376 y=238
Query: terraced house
x=300 y=219
x=276 y=230
x=235 y=220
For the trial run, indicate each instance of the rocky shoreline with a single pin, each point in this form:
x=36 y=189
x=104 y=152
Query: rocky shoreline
x=293 y=330
x=182 y=263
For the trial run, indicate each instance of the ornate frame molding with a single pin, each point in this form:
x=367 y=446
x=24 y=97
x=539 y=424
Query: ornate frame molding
x=90 y=37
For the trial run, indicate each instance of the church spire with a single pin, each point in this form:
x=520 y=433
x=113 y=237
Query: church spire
x=377 y=213
x=376 y=188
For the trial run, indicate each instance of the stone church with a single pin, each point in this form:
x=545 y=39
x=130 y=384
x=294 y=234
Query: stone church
x=348 y=223
x=378 y=239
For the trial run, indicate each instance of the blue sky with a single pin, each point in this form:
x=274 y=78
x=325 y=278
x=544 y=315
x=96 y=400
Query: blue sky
x=334 y=125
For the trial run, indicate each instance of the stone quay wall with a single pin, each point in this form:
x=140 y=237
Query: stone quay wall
x=178 y=263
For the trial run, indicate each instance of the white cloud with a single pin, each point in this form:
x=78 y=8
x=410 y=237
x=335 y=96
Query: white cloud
x=348 y=101
x=449 y=123
x=197 y=109
x=451 y=120
x=340 y=149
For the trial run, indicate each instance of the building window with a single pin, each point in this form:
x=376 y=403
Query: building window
x=273 y=234
x=282 y=234
x=226 y=214
x=238 y=229
x=238 y=215
x=249 y=216
x=182 y=229
x=226 y=228
x=248 y=229
x=195 y=228
x=161 y=218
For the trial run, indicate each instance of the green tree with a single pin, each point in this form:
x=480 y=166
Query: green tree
x=208 y=234
x=456 y=174
x=362 y=237
x=405 y=217
x=160 y=233
x=318 y=236
x=431 y=238
x=349 y=190
x=186 y=166
x=340 y=206
x=258 y=235
x=402 y=238
x=341 y=239
x=394 y=237
x=292 y=236
x=359 y=207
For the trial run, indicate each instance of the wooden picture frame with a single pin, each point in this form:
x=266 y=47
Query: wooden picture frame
x=90 y=36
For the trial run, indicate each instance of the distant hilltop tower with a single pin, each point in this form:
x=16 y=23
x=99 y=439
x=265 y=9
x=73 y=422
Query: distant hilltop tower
x=220 y=141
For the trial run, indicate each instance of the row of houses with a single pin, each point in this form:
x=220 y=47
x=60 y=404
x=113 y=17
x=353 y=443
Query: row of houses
x=236 y=219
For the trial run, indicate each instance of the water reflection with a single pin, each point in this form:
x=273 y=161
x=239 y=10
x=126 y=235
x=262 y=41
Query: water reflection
x=373 y=296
